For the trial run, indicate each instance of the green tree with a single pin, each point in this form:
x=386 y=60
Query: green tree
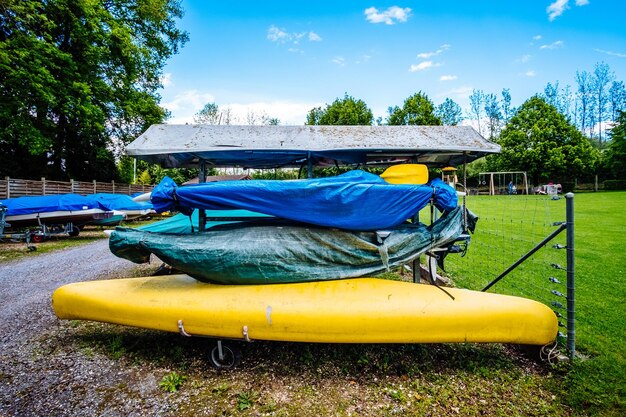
x=477 y=100
x=78 y=79
x=507 y=110
x=346 y=111
x=540 y=140
x=449 y=112
x=416 y=110
x=210 y=114
x=494 y=115
x=615 y=155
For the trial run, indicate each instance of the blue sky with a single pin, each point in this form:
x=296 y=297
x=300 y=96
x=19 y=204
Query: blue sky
x=282 y=58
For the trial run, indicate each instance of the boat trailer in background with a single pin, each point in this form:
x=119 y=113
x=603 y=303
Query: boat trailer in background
x=14 y=237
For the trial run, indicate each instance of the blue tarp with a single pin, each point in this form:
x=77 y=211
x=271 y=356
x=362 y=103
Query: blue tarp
x=119 y=202
x=49 y=203
x=356 y=200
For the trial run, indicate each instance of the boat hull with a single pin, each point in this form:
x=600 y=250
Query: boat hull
x=76 y=217
x=362 y=310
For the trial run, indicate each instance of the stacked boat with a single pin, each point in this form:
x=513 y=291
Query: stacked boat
x=291 y=260
x=67 y=213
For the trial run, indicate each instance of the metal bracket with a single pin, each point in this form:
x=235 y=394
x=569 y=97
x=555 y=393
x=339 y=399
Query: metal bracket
x=245 y=334
x=558 y=294
x=181 y=329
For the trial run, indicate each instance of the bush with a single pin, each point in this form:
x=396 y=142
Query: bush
x=567 y=186
x=613 y=185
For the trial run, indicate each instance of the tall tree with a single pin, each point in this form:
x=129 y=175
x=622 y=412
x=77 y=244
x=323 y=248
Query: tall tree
x=615 y=156
x=602 y=77
x=77 y=78
x=346 y=111
x=210 y=114
x=507 y=110
x=551 y=94
x=449 y=112
x=617 y=99
x=541 y=141
x=558 y=97
x=477 y=99
x=494 y=116
x=583 y=79
x=416 y=110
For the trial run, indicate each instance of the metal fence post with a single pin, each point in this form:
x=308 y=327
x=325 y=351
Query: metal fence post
x=571 y=324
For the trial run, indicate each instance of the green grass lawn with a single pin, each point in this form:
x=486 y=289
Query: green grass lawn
x=508 y=227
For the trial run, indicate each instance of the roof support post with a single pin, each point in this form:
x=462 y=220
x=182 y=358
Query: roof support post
x=310 y=166
x=202 y=179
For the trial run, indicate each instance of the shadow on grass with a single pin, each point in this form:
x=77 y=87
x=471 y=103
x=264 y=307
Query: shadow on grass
x=288 y=359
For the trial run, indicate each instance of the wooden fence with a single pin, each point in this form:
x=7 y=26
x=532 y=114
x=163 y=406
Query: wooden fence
x=12 y=187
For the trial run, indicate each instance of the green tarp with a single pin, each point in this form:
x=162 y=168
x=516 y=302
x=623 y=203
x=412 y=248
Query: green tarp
x=274 y=251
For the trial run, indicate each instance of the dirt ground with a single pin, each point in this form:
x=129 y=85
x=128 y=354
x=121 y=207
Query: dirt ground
x=43 y=369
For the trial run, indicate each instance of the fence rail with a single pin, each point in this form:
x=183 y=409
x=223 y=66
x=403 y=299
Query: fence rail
x=13 y=187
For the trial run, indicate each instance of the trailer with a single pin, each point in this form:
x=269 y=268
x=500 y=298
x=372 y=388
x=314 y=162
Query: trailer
x=15 y=237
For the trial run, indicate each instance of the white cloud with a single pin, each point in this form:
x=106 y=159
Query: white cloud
x=281 y=36
x=288 y=112
x=314 y=37
x=186 y=104
x=426 y=55
x=275 y=34
x=460 y=93
x=339 y=60
x=524 y=58
x=537 y=37
x=166 y=79
x=423 y=66
x=530 y=73
x=612 y=53
x=553 y=45
x=390 y=16
x=557 y=8
x=448 y=78
x=363 y=59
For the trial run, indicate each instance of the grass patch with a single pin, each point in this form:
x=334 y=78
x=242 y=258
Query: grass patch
x=13 y=251
x=507 y=225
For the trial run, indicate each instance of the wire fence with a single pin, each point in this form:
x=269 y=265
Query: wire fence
x=508 y=228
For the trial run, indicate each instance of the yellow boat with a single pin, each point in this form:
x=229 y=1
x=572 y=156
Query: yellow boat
x=362 y=310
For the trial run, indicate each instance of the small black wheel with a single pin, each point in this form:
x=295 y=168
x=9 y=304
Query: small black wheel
x=31 y=248
x=231 y=357
x=75 y=231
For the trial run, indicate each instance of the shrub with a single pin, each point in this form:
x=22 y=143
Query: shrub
x=613 y=185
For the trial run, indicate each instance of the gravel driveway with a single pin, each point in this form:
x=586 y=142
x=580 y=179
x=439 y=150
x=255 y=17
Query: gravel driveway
x=43 y=371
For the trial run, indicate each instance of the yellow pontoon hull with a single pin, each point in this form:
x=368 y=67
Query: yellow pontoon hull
x=362 y=310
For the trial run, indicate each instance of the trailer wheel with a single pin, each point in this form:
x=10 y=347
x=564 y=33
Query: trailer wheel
x=231 y=356
x=37 y=238
x=75 y=231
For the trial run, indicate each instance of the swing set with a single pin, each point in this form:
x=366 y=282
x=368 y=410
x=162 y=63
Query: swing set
x=510 y=182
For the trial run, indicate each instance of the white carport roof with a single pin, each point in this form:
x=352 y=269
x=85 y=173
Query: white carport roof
x=292 y=146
